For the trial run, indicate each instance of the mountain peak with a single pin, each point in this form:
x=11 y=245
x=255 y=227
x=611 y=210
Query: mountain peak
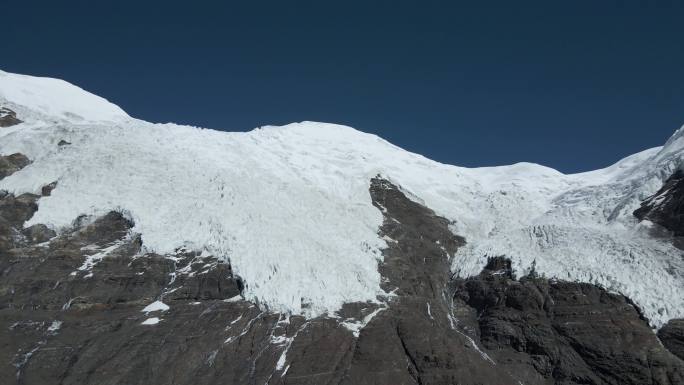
x=56 y=99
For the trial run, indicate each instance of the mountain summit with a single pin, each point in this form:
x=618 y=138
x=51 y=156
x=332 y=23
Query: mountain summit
x=317 y=233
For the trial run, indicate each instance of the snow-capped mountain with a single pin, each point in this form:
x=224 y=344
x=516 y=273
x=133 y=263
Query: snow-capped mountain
x=288 y=205
x=289 y=209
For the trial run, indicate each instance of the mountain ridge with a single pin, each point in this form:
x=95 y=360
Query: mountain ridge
x=217 y=191
x=140 y=253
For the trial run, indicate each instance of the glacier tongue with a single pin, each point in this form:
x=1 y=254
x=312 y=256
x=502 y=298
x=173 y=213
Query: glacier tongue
x=290 y=207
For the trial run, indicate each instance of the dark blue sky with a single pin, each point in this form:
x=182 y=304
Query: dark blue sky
x=574 y=85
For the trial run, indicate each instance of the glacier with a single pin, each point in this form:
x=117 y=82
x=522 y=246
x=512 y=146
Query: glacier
x=289 y=206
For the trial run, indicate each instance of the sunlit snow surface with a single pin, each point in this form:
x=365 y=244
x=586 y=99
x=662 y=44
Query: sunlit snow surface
x=290 y=208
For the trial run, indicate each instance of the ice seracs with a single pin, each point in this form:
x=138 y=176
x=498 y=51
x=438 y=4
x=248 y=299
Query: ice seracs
x=290 y=208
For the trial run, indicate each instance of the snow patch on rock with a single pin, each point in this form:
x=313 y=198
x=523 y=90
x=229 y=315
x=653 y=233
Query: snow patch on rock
x=54 y=327
x=156 y=306
x=151 y=321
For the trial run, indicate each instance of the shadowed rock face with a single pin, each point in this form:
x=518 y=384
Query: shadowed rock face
x=672 y=336
x=8 y=117
x=64 y=322
x=666 y=207
x=71 y=313
x=555 y=332
x=417 y=339
x=12 y=163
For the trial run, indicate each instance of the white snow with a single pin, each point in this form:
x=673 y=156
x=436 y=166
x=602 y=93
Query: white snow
x=355 y=326
x=156 y=306
x=57 y=98
x=54 y=327
x=289 y=206
x=151 y=321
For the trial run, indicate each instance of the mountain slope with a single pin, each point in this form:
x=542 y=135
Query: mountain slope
x=133 y=252
x=283 y=202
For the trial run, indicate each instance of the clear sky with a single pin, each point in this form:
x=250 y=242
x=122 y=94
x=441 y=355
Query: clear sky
x=574 y=85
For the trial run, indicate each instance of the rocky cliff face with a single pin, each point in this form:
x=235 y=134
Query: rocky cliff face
x=73 y=311
x=672 y=336
x=666 y=208
x=12 y=163
x=555 y=332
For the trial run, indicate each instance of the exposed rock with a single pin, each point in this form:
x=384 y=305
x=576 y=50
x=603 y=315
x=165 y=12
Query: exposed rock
x=63 y=319
x=412 y=339
x=17 y=210
x=39 y=233
x=205 y=278
x=47 y=189
x=12 y=163
x=555 y=332
x=8 y=117
x=666 y=207
x=672 y=336
x=418 y=327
